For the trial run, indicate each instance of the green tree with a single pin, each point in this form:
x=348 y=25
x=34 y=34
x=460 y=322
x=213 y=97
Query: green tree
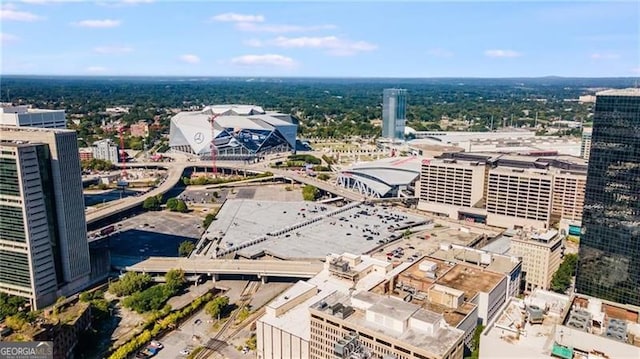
x=152 y=298
x=130 y=283
x=216 y=307
x=561 y=279
x=207 y=220
x=175 y=280
x=151 y=204
x=10 y=305
x=172 y=203
x=309 y=193
x=186 y=248
x=182 y=207
x=323 y=176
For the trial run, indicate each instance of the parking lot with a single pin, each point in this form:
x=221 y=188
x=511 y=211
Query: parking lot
x=155 y=234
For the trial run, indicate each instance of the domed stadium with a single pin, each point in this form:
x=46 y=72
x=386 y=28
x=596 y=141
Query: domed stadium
x=240 y=132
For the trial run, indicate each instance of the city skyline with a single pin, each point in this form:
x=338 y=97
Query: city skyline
x=460 y=39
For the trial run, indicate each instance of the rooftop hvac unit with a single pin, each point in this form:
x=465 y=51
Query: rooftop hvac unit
x=620 y=336
x=577 y=325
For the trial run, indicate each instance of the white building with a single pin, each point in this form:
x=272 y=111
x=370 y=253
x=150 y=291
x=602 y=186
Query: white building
x=23 y=116
x=284 y=330
x=105 y=150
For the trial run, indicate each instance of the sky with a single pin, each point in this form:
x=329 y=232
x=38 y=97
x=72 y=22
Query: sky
x=414 y=39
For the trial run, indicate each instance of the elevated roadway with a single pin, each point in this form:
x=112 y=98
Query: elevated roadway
x=174 y=173
x=260 y=268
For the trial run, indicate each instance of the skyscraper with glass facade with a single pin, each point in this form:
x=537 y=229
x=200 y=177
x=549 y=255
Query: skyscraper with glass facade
x=609 y=259
x=44 y=251
x=394 y=113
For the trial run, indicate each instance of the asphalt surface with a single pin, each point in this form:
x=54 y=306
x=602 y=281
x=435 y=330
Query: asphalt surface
x=154 y=234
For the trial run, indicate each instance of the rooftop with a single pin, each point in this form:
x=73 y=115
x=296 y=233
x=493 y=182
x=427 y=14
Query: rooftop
x=289 y=311
x=302 y=229
x=438 y=342
x=491 y=261
x=470 y=280
x=620 y=92
x=512 y=335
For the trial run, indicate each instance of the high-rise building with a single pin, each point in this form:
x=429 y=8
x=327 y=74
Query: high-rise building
x=44 y=250
x=105 y=150
x=24 y=116
x=394 y=113
x=609 y=258
x=585 y=145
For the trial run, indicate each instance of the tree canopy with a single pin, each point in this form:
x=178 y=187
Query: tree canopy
x=217 y=306
x=186 y=248
x=130 y=283
x=561 y=279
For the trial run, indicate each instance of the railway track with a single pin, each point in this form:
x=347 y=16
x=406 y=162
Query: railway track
x=219 y=341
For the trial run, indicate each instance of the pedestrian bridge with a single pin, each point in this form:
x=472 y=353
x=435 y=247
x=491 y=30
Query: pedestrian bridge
x=213 y=267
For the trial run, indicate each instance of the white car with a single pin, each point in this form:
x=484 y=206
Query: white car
x=185 y=352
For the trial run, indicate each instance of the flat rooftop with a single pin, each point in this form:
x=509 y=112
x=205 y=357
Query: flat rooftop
x=470 y=280
x=442 y=340
x=496 y=263
x=620 y=92
x=354 y=230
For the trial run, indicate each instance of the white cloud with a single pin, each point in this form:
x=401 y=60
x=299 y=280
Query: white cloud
x=106 y=23
x=234 y=17
x=502 y=53
x=46 y=2
x=635 y=70
x=110 y=50
x=605 y=56
x=438 y=52
x=280 y=28
x=190 y=58
x=253 y=43
x=8 y=12
x=137 y=1
x=264 y=60
x=96 y=69
x=7 y=38
x=332 y=44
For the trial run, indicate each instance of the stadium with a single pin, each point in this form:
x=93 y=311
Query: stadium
x=241 y=132
x=384 y=178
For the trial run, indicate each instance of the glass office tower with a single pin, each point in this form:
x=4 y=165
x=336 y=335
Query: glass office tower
x=609 y=263
x=394 y=113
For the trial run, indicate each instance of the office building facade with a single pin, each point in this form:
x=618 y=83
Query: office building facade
x=60 y=190
x=504 y=190
x=23 y=116
x=28 y=249
x=541 y=255
x=394 y=113
x=609 y=258
x=585 y=145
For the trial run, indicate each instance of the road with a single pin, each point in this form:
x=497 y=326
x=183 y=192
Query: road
x=174 y=174
x=262 y=268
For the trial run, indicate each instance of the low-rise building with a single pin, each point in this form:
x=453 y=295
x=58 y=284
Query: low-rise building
x=367 y=324
x=140 y=129
x=547 y=324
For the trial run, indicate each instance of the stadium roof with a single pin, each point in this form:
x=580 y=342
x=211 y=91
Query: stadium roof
x=382 y=175
x=231 y=109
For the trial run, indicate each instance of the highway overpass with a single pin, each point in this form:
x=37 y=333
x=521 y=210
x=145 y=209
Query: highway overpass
x=176 y=169
x=260 y=268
